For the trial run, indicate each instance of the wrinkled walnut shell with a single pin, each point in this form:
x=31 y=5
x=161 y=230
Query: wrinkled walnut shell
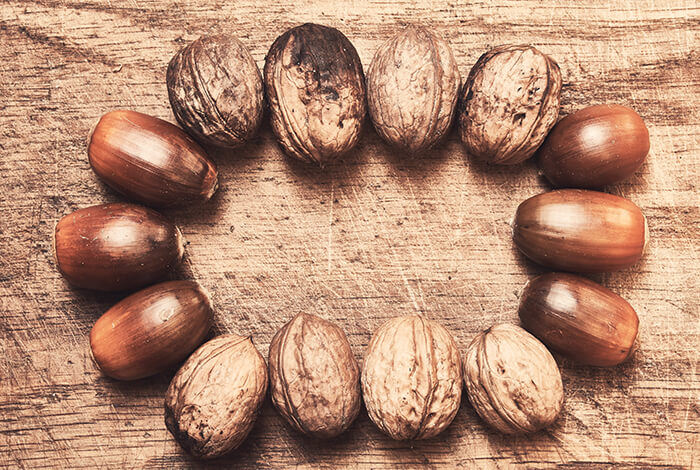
x=216 y=91
x=316 y=92
x=213 y=400
x=509 y=103
x=412 y=378
x=412 y=88
x=314 y=377
x=512 y=380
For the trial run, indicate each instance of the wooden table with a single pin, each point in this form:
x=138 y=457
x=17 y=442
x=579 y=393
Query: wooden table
x=373 y=236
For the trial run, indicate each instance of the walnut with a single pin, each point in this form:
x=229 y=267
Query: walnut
x=213 y=400
x=412 y=378
x=412 y=88
x=509 y=103
x=512 y=380
x=316 y=92
x=314 y=377
x=216 y=91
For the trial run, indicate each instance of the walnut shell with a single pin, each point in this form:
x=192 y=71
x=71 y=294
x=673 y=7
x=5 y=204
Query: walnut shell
x=314 y=377
x=412 y=88
x=213 y=400
x=316 y=92
x=216 y=91
x=512 y=380
x=412 y=378
x=509 y=103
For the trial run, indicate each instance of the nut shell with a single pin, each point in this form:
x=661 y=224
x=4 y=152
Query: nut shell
x=314 y=377
x=151 y=330
x=411 y=378
x=508 y=104
x=213 y=401
x=412 y=88
x=216 y=91
x=316 y=92
x=150 y=160
x=113 y=247
x=512 y=380
x=579 y=318
x=580 y=231
x=595 y=146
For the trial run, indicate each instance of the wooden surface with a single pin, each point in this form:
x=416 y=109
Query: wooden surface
x=368 y=238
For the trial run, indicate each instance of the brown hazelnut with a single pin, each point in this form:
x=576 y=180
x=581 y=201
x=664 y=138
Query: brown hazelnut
x=216 y=91
x=316 y=92
x=314 y=377
x=412 y=88
x=412 y=378
x=580 y=231
x=508 y=104
x=579 y=318
x=512 y=380
x=114 y=247
x=213 y=401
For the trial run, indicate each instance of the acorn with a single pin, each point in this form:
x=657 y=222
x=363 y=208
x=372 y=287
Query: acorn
x=150 y=160
x=580 y=231
x=151 y=330
x=579 y=318
x=114 y=247
x=594 y=147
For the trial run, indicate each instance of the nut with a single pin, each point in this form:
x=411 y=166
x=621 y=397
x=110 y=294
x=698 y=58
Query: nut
x=512 y=380
x=213 y=400
x=595 y=146
x=579 y=318
x=151 y=330
x=113 y=247
x=316 y=92
x=412 y=88
x=314 y=377
x=508 y=104
x=150 y=160
x=581 y=231
x=412 y=378
x=216 y=91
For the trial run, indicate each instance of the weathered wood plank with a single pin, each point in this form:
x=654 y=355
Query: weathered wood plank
x=370 y=237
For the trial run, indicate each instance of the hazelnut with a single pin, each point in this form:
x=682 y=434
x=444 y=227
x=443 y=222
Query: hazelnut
x=114 y=247
x=581 y=231
x=213 y=401
x=412 y=378
x=579 y=318
x=512 y=380
x=216 y=91
x=316 y=92
x=412 y=88
x=508 y=104
x=314 y=377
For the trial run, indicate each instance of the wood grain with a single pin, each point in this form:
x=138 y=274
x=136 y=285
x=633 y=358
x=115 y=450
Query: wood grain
x=370 y=237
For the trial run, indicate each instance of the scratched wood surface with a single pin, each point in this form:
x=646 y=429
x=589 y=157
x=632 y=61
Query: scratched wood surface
x=370 y=237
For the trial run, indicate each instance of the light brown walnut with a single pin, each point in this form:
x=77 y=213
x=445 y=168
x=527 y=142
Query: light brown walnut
x=314 y=377
x=412 y=378
x=509 y=103
x=213 y=400
x=412 y=88
x=512 y=380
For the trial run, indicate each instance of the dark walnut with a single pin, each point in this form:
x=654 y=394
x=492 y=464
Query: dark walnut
x=412 y=378
x=512 y=380
x=508 y=104
x=214 y=399
x=412 y=88
x=316 y=92
x=216 y=91
x=314 y=377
